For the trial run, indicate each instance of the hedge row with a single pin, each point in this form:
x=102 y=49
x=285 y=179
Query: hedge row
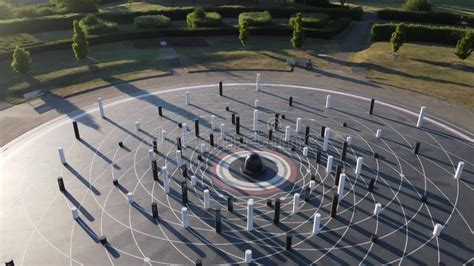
x=425 y=17
x=419 y=33
x=40 y=24
x=332 y=29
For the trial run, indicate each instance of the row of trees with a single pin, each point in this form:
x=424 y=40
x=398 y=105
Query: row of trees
x=463 y=50
x=21 y=62
x=296 y=38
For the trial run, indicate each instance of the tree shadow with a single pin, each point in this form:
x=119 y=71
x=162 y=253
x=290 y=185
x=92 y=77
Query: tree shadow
x=464 y=68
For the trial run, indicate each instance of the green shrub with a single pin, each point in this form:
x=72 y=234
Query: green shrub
x=151 y=21
x=80 y=46
x=422 y=17
x=32 y=11
x=417 y=5
x=311 y=20
x=419 y=33
x=93 y=25
x=297 y=37
x=256 y=18
x=398 y=37
x=244 y=32
x=6 y=11
x=465 y=46
x=199 y=18
x=21 y=62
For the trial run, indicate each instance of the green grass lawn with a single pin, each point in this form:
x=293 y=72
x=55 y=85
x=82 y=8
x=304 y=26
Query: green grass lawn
x=58 y=72
x=227 y=53
x=459 y=6
x=426 y=69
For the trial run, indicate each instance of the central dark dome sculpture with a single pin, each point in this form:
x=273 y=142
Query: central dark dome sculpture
x=253 y=165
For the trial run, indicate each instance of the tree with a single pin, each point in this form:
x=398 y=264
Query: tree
x=417 y=5
x=398 y=37
x=465 y=45
x=297 y=37
x=80 y=46
x=243 y=32
x=21 y=62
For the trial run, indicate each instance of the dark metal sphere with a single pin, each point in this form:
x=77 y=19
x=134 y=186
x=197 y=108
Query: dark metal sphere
x=253 y=164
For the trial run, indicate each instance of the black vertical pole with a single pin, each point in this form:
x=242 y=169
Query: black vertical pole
x=338 y=174
x=306 y=136
x=371 y=185
x=178 y=144
x=288 y=241
x=155 y=146
x=211 y=139
x=290 y=101
x=270 y=134
x=335 y=199
x=322 y=131
x=276 y=218
x=220 y=88
x=237 y=125
x=230 y=204
x=344 y=151
x=372 y=101
x=76 y=130
x=417 y=147
x=233 y=118
x=160 y=110
x=154 y=169
x=184 y=192
x=307 y=193
x=276 y=120
x=154 y=210
x=62 y=188
x=218 y=222
x=318 y=157
x=196 y=127
x=198 y=262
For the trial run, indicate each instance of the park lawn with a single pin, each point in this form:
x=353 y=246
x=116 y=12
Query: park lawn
x=226 y=53
x=60 y=73
x=423 y=68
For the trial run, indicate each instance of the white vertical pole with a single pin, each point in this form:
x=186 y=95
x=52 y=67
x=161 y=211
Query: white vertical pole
x=151 y=154
x=378 y=207
x=188 y=99
x=130 y=197
x=255 y=136
x=358 y=169
x=327 y=133
x=250 y=215
x=340 y=188
x=179 y=160
x=378 y=134
x=184 y=133
x=437 y=230
x=222 y=131
x=75 y=213
x=312 y=185
x=256 y=103
x=255 y=120
x=166 y=180
x=207 y=200
x=316 y=223
x=163 y=135
x=62 y=157
x=257 y=83
x=349 y=140
x=328 y=101
x=213 y=118
x=420 y=117
x=184 y=217
x=298 y=124
x=248 y=256
x=329 y=164
x=287 y=133
x=101 y=107
x=305 y=151
x=193 y=180
x=296 y=203
x=458 y=173
x=137 y=126
x=203 y=147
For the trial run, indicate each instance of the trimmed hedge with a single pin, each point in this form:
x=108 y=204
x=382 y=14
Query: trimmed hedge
x=256 y=18
x=151 y=21
x=311 y=20
x=41 y=24
x=422 y=17
x=94 y=26
x=332 y=29
x=199 y=18
x=419 y=33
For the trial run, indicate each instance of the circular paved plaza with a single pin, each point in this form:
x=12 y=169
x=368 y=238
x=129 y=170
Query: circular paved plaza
x=159 y=175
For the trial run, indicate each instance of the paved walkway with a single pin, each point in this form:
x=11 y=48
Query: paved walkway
x=19 y=119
